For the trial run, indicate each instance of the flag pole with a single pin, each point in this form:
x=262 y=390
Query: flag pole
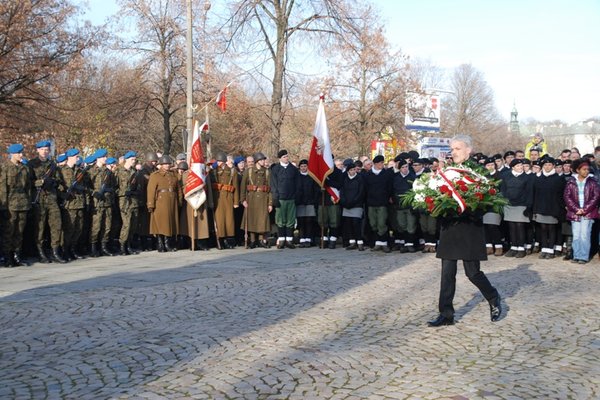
x=322 y=217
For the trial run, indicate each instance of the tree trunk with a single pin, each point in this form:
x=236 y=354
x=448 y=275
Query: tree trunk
x=277 y=95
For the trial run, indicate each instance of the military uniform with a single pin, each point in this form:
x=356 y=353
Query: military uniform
x=195 y=224
x=255 y=190
x=47 y=178
x=75 y=199
x=164 y=199
x=143 y=223
x=15 y=202
x=226 y=194
x=128 y=193
x=103 y=196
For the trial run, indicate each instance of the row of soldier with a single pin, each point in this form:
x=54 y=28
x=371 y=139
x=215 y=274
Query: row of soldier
x=81 y=205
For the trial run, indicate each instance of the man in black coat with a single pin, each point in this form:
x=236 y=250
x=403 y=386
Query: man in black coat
x=463 y=239
x=284 y=183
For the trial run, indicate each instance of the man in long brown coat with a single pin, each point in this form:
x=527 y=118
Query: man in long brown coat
x=226 y=196
x=255 y=196
x=164 y=200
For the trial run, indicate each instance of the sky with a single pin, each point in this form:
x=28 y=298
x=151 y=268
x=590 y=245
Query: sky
x=541 y=55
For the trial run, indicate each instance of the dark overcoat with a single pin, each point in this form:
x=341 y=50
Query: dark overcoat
x=462 y=238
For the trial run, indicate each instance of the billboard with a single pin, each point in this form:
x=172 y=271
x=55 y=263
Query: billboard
x=422 y=112
x=434 y=147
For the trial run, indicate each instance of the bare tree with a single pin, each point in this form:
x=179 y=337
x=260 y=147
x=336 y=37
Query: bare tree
x=159 y=45
x=370 y=83
x=471 y=109
x=38 y=40
x=276 y=23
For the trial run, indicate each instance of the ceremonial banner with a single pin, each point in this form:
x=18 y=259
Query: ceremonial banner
x=194 y=183
x=320 y=160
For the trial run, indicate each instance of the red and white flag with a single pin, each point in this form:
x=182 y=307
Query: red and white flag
x=194 y=183
x=320 y=160
x=221 y=100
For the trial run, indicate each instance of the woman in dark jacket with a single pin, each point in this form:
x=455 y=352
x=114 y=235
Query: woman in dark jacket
x=548 y=205
x=582 y=210
x=517 y=187
x=307 y=198
x=352 y=199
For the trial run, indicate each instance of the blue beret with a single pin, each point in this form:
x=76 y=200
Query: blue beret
x=90 y=159
x=101 y=153
x=72 y=152
x=24 y=161
x=215 y=165
x=79 y=161
x=61 y=158
x=15 y=148
x=111 y=161
x=130 y=154
x=43 y=143
x=238 y=159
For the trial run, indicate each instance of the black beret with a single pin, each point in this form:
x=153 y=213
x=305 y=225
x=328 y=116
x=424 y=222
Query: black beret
x=509 y=153
x=347 y=162
x=526 y=161
x=404 y=155
x=557 y=162
x=536 y=162
x=413 y=154
x=281 y=153
x=516 y=161
x=497 y=156
x=378 y=158
x=303 y=162
x=546 y=160
x=490 y=160
x=568 y=161
x=401 y=162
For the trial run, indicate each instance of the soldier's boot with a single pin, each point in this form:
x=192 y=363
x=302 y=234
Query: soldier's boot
x=160 y=244
x=124 y=251
x=7 y=261
x=168 y=246
x=569 y=249
x=94 y=251
x=74 y=254
x=105 y=251
x=57 y=257
x=43 y=258
x=130 y=249
x=18 y=261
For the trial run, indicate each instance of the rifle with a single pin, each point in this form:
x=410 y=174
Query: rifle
x=77 y=179
x=45 y=177
x=131 y=184
x=103 y=189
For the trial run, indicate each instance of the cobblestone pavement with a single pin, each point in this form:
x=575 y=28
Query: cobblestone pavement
x=298 y=324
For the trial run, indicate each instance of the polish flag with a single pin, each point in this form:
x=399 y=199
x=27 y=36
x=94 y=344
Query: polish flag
x=320 y=161
x=222 y=100
x=194 y=183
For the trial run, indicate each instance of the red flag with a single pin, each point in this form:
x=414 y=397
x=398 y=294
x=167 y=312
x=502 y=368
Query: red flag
x=320 y=161
x=222 y=100
x=194 y=183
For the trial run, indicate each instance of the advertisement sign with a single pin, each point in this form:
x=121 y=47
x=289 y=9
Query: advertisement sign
x=422 y=112
x=434 y=147
x=387 y=148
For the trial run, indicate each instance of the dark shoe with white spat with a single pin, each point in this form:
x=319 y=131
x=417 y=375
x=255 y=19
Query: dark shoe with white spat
x=496 y=308
x=440 y=321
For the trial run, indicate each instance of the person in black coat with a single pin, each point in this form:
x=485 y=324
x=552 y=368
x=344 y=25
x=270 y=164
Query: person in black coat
x=463 y=239
x=378 y=183
x=548 y=205
x=517 y=188
x=284 y=182
x=308 y=194
x=352 y=200
x=404 y=218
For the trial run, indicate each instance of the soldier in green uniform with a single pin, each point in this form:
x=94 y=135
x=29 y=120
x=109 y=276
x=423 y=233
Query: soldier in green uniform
x=226 y=197
x=15 y=202
x=47 y=178
x=103 y=185
x=74 y=202
x=255 y=196
x=129 y=195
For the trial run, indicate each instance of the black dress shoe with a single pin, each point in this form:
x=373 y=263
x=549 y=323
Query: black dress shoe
x=496 y=309
x=441 y=321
